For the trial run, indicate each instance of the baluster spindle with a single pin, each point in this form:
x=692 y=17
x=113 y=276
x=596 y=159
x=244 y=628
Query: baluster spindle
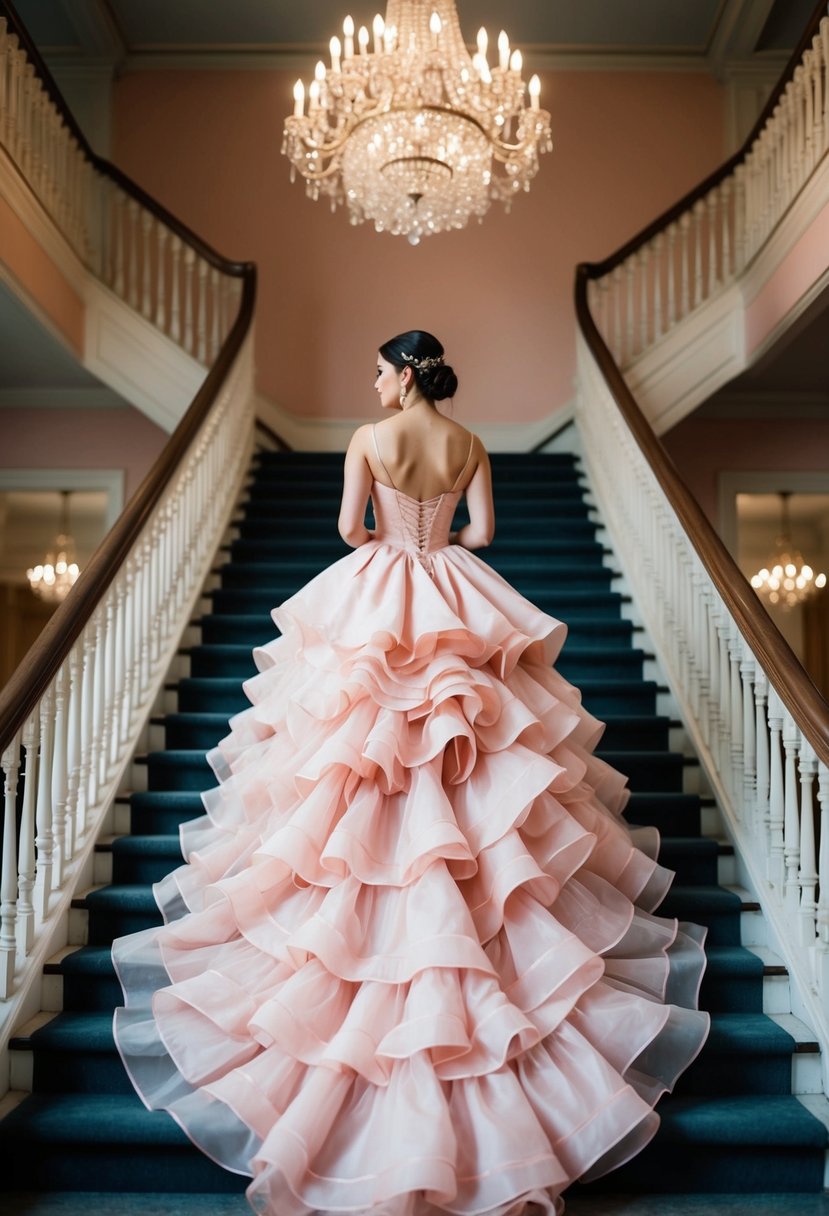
x=132 y=283
x=161 y=234
x=630 y=335
x=175 y=275
x=146 y=278
x=749 y=795
x=712 y=204
x=808 y=862
x=189 y=260
x=791 y=812
x=617 y=339
x=684 y=264
x=698 y=214
x=776 y=860
x=215 y=339
x=120 y=243
x=823 y=882
x=73 y=751
x=26 y=868
x=59 y=778
x=644 y=303
x=725 y=230
x=8 y=879
x=45 y=840
x=201 y=314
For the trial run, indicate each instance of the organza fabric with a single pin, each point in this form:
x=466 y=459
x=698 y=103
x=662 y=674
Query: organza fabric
x=412 y=964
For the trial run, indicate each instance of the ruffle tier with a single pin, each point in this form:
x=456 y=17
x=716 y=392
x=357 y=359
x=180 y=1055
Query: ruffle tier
x=412 y=963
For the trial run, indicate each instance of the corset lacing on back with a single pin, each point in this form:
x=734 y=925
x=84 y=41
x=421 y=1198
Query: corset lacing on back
x=424 y=525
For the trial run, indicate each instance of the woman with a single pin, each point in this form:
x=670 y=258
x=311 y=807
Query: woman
x=411 y=965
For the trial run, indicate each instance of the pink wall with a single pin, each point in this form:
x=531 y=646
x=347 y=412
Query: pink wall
x=702 y=448
x=118 y=438
x=499 y=295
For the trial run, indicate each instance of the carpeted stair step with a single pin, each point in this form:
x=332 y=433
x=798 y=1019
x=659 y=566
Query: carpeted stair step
x=143 y=859
x=636 y=732
x=192 y=730
x=157 y=812
x=733 y=980
x=672 y=814
x=745 y=1053
x=177 y=770
x=714 y=907
x=577 y=663
x=224 y=659
x=75 y=1052
x=117 y=910
x=89 y=980
x=105 y=1142
x=602 y=697
x=218 y=695
x=694 y=859
x=647 y=770
x=743 y=1144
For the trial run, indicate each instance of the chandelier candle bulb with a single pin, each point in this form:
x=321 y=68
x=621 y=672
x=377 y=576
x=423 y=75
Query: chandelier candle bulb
x=299 y=99
x=417 y=136
x=535 y=92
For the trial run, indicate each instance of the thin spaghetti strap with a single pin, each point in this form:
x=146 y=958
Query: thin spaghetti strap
x=465 y=463
x=380 y=458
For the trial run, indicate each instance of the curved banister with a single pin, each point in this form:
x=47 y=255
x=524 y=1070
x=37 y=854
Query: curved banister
x=663 y=221
x=46 y=656
x=796 y=689
x=32 y=677
x=106 y=167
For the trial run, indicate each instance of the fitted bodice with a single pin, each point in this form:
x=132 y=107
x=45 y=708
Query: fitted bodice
x=421 y=528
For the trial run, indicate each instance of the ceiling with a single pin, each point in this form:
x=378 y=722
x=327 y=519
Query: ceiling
x=135 y=33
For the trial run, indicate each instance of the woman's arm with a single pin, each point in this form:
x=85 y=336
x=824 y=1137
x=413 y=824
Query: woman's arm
x=356 y=486
x=481 y=527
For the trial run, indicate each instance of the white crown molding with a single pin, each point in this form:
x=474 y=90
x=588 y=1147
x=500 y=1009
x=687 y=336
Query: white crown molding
x=333 y=434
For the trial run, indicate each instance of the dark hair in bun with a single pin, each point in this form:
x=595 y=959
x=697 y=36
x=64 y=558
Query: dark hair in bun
x=424 y=355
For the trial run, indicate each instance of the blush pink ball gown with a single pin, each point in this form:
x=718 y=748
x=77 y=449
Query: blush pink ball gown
x=412 y=965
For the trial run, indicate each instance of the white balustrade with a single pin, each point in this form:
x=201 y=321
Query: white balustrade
x=768 y=779
x=683 y=266
x=112 y=233
x=60 y=767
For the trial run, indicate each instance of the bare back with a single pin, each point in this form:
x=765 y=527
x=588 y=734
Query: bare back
x=422 y=453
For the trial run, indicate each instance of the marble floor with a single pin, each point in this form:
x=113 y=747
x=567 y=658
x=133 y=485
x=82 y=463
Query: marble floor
x=98 y=1204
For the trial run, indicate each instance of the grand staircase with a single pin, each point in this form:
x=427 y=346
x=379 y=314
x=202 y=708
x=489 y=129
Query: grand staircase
x=733 y=1124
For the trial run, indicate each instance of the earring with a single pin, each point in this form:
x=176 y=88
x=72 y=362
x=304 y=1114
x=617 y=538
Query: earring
x=403 y=394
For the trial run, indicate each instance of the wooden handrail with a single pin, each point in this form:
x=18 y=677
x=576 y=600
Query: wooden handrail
x=663 y=221
x=104 y=166
x=794 y=685
x=31 y=679
x=796 y=689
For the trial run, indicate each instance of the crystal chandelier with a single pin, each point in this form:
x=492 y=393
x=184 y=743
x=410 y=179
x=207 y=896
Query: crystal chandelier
x=54 y=578
x=415 y=134
x=787 y=580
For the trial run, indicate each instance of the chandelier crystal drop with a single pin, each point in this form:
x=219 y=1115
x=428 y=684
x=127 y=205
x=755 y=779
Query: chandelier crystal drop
x=54 y=578
x=411 y=132
x=787 y=580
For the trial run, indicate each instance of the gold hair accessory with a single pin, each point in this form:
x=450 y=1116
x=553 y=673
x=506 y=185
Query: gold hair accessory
x=425 y=364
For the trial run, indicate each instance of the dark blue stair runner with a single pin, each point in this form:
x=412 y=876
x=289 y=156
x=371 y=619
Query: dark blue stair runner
x=731 y=1126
